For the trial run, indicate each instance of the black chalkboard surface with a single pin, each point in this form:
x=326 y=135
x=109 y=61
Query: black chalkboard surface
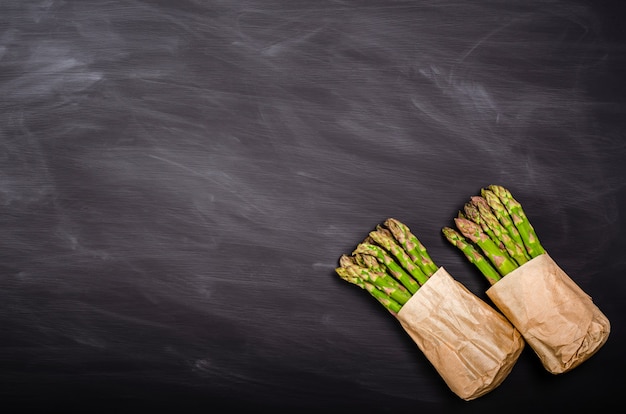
x=179 y=178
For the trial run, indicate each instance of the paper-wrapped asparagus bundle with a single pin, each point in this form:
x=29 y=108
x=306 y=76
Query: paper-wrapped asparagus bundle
x=556 y=317
x=471 y=345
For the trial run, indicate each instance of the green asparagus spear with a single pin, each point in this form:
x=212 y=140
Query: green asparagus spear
x=411 y=244
x=384 y=299
x=472 y=213
x=499 y=232
x=515 y=210
x=393 y=306
x=347 y=261
x=503 y=216
x=499 y=258
x=384 y=239
x=382 y=281
x=393 y=268
x=370 y=262
x=472 y=254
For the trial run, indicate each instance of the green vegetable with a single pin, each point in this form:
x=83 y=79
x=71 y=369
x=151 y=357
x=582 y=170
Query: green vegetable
x=490 y=248
x=521 y=222
x=472 y=254
x=503 y=216
x=473 y=213
x=378 y=294
x=390 y=263
x=494 y=233
x=381 y=280
x=497 y=231
x=385 y=239
x=411 y=244
x=392 y=267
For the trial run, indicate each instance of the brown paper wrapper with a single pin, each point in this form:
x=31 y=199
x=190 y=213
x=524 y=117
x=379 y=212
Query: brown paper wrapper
x=556 y=317
x=470 y=344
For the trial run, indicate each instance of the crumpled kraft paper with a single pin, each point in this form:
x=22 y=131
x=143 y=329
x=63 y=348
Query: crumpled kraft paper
x=558 y=320
x=470 y=344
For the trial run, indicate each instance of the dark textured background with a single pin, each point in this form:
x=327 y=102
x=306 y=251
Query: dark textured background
x=179 y=178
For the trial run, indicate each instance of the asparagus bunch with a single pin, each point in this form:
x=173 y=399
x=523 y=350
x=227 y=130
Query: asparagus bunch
x=390 y=263
x=494 y=233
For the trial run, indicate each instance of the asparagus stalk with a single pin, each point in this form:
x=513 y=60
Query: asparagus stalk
x=382 y=281
x=381 y=264
x=520 y=220
x=370 y=262
x=472 y=213
x=347 y=261
x=411 y=244
x=384 y=238
x=393 y=268
x=498 y=257
x=382 y=297
x=499 y=232
x=473 y=255
x=503 y=216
